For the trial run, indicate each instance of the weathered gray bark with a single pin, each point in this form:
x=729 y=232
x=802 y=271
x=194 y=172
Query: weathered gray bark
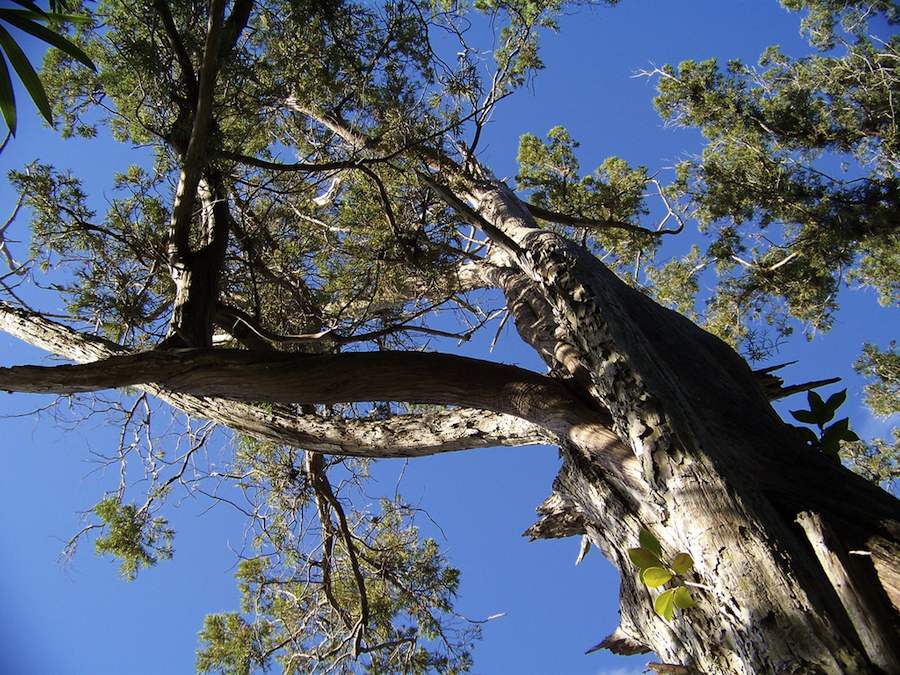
x=723 y=477
x=399 y=436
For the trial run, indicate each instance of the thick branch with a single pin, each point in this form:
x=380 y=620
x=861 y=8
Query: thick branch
x=278 y=377
x=234 y=26
x=196 y=148
x=184 y=60
x=400 y=436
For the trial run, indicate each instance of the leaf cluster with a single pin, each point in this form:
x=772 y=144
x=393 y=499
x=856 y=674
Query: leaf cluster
x=132 y=535
x=820 y=412
x=614 y=194
x=285 y=617
x=878 y=459
x=654 y=573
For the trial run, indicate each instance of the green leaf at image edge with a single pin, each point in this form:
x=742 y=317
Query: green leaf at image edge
x=664 y=605
x=7 y=98
x=52 y=38
x=26 y=73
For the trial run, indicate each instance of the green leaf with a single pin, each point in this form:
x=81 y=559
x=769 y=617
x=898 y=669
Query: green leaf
x=683 y=598
x=30 y=7
x=643 y=558
x=649 y=542
x=836 y=400
x=683 y=563
x=839 y=431
x=654 y=577
x=52 y=38
x=29 y=78
x=7 y=98
x=832 y=436
x=816 y=404
x=664 y=605
x=38 y=14
x=804 y=416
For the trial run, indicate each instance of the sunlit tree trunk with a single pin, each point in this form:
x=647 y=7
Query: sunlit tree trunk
x=712 y=471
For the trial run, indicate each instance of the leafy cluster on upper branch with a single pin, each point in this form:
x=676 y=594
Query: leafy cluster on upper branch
x=878 y=459
x=786 y=234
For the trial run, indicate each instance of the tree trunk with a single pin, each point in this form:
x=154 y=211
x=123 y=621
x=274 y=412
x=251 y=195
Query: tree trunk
x=724 y=479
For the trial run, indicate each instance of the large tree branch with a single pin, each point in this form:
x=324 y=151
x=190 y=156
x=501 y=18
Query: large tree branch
x=184 y=60
x=234 y=26
x=361 y=376
x=195 y=153
x=399 y=436
x=280 y=377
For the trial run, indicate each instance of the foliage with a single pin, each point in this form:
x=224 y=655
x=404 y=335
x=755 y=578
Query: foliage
x=613 y=193
x=786 y=225
x=654 y=573
x=298 y=600
x=823 y=15
x=132 y=535
x=882 y=365
x=326 y=120
x=878 y=459
x=820 y=413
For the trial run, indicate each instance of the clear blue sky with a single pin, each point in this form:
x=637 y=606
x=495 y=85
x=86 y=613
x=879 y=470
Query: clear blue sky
x=82 y=618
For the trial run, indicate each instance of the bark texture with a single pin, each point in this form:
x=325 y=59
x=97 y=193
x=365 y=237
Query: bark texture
x=399 y=436
x=723 y=477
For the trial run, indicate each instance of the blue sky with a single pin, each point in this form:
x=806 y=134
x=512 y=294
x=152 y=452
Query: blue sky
x=80 y=617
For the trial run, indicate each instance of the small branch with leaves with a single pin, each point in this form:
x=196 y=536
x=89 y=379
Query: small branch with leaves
x=656 y=573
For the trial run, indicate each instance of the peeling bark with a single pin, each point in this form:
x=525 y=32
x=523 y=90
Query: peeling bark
x=723 y=477
x=661 y=426
x=400 y=436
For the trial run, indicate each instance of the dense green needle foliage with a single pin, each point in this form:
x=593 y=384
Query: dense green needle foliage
x=409 y=588
x=132 y=536
x=797 y=187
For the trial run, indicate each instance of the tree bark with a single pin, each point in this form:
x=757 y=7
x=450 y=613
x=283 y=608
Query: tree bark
x=723 y=477
x=399 y=436
x=696 y=454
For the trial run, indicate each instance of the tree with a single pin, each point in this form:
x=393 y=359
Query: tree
x=237 y=286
